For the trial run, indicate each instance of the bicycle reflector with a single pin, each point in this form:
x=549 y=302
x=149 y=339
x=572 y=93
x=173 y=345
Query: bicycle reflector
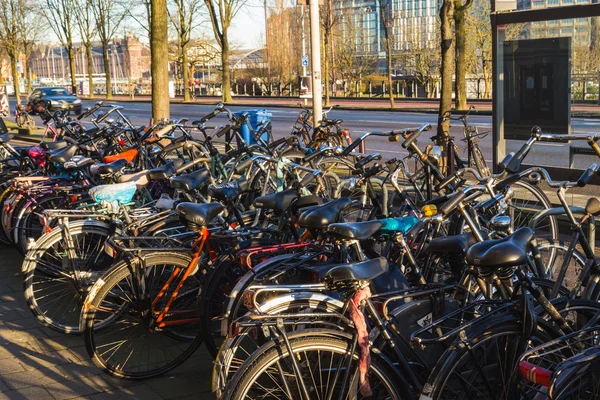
x=429 y=210
x=535 y=374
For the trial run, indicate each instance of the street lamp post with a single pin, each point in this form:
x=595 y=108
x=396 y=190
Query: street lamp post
x=315 y=47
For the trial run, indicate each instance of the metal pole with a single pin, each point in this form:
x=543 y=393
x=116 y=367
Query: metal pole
x=303 y=48
x=315 y=49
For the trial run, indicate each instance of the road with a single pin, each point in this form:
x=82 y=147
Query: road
x=361 y=121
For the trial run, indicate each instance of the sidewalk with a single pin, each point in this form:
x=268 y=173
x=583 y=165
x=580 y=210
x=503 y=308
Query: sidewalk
x=482 y=107
x=39 y=363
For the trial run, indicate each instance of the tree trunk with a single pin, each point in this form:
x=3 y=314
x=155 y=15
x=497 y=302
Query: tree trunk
x=461 y=55
x=90 y=69
x=15 y=75
x=447 y=47
x=388 y=46
x=186 y=74
x=487 y=81
x=27 y=75
x=71 y=55
x=107 y=71
x=159 y=49
x=326 y=64
x=226 y=84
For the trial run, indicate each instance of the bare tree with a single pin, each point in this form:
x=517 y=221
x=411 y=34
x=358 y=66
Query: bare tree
x=447 y=68
x=108 y=15
x=479 y=46
x=461 y=8
x=221 y=14
x=328 y=21
x=185 y=17
x=13 y=19
x=421 y=58
x=159 y=50
x=387 y=22
x=87 y=33
x=60 y=15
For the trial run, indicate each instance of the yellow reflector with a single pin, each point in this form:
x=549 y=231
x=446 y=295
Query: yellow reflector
x=429 y=210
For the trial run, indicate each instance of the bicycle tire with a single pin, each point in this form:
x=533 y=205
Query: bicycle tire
x=465 y=353
x=44 y=264
x=180 y=342
x=238 y=388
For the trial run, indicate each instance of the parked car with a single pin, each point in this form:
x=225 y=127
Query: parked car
x=57 y=98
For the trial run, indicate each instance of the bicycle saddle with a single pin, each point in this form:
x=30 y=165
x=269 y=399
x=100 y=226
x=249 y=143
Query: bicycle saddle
x=509 y=251
x=190 y=181
x=457 y=244
x=59 y=144
x=62 y=155
x=304 y=202
x=320 y=217
x=362 y=271
x=355 y=230
x=139 y=178
x=110 y=168
x=6 y=137
x=228 y=191
x=198 y=214
x=165 y=171
x=279 y=201
x=593 y=206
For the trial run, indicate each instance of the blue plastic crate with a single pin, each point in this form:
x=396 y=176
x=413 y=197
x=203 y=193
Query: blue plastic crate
x=254 y=118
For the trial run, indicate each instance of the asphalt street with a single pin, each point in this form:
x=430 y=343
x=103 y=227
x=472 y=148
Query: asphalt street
x=361 y=121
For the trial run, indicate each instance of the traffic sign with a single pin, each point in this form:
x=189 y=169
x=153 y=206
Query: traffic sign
x=305 y=61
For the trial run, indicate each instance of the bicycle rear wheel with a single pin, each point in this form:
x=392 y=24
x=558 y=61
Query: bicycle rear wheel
x=122 y=333
x=323 y=362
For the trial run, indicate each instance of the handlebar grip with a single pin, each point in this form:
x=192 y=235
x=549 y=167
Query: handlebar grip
x=515 y=164
x=314 y=155
x=587 y=175
x=244 y=164
x=506 y=160
x=223 y=131
x=507 y=181
x=277 y=143
x=308 y=178
x=209 y=116
x=451 y=204
x=451 y=180
x=354 y=145
x=374 y=170
x=411 y=139
x=364 y=161
x=414 y=231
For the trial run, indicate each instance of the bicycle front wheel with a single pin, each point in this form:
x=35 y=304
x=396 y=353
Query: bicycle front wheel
x=124 y=332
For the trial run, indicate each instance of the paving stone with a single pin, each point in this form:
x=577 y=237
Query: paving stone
x=36 y=360
x=34 y=392
x=37 y=377
x=76 y=388
x=137 y=392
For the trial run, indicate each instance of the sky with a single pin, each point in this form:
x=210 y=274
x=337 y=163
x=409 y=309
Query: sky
x=248 y=27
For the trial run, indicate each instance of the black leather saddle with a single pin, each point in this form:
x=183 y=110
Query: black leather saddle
x=362 y=271
x=228 y=191
x=62 y=155
x=509 y=251
x=320 y=217
x=593 y=206
x=304 y=202
x=457 y=244
x=165 y=171
x=279 y=201
x=198 y=214
x=190 y=181
x=355 y=230
x=59 y=144
x=6 y=137
x=109 y=168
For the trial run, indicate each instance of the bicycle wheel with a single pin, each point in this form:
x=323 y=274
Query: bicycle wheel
x=484 y=364
x=123 y=335
x=57 y=277
x=526 y=202
x=324 y=361
x=237 y=349
x=554 y=254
